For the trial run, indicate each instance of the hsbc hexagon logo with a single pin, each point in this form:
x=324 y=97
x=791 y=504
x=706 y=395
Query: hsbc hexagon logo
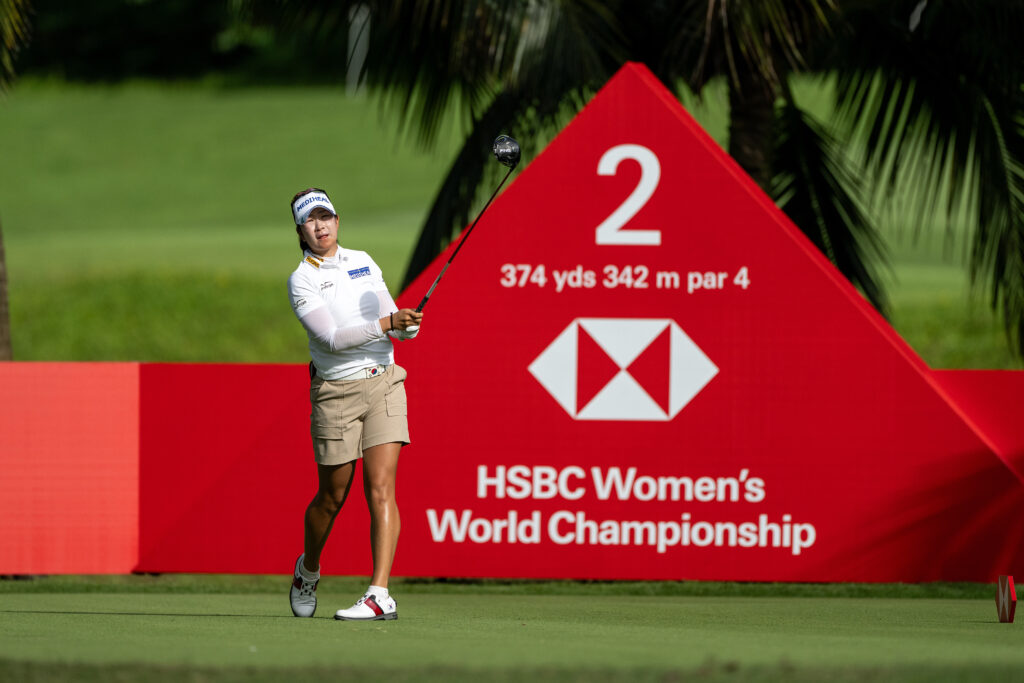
x=623 y=369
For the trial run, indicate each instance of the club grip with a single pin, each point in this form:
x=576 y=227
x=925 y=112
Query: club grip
x=422 y=304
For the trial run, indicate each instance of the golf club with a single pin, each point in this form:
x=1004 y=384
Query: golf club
x=506 y=150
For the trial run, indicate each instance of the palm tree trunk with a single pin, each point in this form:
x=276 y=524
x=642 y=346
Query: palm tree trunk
x=5 y=320
x=752 y=125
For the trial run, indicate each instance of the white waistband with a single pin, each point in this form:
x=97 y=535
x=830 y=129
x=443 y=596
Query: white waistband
x=366 y=373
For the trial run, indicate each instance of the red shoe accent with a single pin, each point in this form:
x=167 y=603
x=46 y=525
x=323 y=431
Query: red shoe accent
x=371 y=602
x=297 y=582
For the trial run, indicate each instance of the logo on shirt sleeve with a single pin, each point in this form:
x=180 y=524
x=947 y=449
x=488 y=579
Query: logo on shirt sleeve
x=359 y=272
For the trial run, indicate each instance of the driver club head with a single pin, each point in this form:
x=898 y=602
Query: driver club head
x=506 y=150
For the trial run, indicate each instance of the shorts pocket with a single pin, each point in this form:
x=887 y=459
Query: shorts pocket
x=395 y=402
x=325 y=419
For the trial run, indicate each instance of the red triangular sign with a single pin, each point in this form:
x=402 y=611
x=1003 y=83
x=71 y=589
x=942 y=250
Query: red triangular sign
x=801 y=439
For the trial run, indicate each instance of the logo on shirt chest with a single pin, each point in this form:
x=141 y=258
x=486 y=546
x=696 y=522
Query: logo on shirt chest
x=359 y=272
x=325 y=285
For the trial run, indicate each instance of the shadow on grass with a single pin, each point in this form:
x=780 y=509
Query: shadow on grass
x=710 y=671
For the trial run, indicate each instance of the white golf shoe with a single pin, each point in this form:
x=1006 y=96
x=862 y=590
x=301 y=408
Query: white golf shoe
x=369 y=608
x=303 y=593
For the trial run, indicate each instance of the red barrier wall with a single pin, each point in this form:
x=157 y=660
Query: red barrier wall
x=208 y=468
x=227 y=469
x=69 y=465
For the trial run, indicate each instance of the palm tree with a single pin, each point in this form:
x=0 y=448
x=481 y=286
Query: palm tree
x=929 y=88
x=13 y=35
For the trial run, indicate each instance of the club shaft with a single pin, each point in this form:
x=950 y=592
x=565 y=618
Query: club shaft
x=431 y=290
x=462 y=241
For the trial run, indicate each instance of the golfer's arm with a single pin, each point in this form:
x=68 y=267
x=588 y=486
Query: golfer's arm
x=321 y=326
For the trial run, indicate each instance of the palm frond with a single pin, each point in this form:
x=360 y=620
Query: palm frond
x=533 y=102
x=14 y=34
x=997 y=253
x=712 y=38
x=934 y=90
x=448 y=50
x=464 y=54
x=532 y=99
x=454 y=200
x=818 y=191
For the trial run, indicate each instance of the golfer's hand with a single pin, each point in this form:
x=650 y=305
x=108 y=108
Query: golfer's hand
x=407 y=318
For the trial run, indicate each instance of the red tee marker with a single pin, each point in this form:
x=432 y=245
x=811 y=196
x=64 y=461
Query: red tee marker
x=1006 y=599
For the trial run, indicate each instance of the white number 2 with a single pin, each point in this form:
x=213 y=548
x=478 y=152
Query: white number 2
x=610 y=231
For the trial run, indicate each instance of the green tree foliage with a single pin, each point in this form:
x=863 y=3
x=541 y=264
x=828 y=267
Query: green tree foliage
x=108 y=40
x=13 y=34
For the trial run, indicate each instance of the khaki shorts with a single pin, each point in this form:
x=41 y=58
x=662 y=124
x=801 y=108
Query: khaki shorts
x=351 y=415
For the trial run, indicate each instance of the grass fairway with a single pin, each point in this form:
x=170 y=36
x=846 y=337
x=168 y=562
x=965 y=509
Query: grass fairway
x=150 y=221
x=239 y=628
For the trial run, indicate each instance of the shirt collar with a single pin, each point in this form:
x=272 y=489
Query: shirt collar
x=336 y=261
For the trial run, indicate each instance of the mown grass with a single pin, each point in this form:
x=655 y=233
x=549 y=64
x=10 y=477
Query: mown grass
x=226 y=628
x=190 y=584
x=148 y=221
x=946 y=322
x=712 y=671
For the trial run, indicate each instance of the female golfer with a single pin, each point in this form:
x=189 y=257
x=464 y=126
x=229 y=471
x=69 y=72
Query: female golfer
x=357 y=394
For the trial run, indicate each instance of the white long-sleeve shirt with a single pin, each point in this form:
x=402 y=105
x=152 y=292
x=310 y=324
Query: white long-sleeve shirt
x=340 y=301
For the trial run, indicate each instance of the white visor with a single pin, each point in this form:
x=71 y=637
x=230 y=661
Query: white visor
x=304 y=205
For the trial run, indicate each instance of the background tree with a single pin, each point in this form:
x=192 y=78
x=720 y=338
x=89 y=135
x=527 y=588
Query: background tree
x=113 y=40
x=13 y=35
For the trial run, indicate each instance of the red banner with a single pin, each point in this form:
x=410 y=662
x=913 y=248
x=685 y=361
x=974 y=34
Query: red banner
x=678 y=385
x=69 y=458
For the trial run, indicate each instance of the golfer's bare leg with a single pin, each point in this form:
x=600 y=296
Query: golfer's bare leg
x=335 y=481
x=380 y=466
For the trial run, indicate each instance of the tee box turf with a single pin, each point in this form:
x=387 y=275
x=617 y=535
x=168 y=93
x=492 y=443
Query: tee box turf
x=1006 y=599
